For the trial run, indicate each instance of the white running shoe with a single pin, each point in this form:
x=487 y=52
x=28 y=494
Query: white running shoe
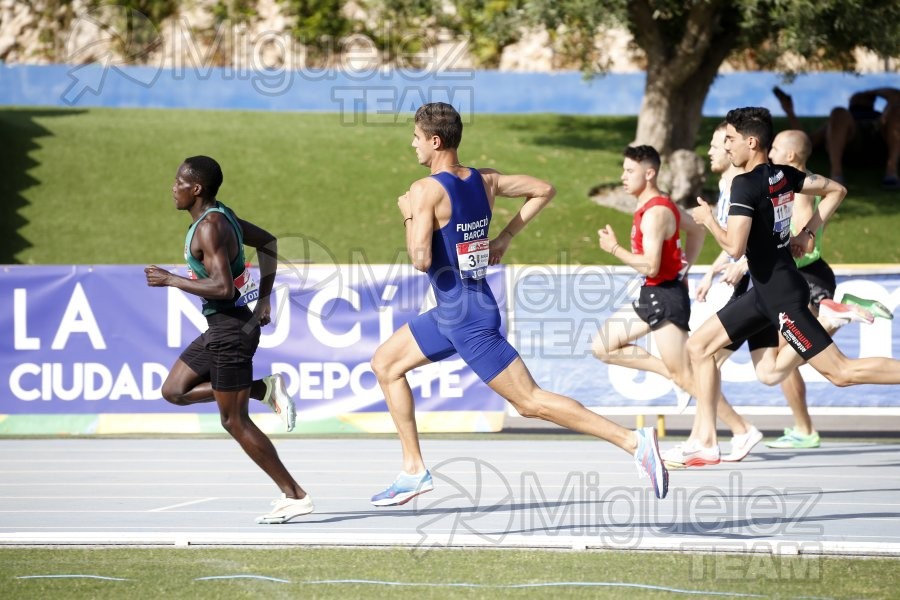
x=691 y=454
x=284 y=509
x=279 y=400
x=742 y=444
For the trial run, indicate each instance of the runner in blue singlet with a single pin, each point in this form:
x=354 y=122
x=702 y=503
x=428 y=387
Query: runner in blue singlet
x=447 y=218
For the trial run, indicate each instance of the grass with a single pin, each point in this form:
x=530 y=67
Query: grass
x=93 y=186
x=174 y=573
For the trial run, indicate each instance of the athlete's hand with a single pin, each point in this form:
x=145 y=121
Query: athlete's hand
x=157 y=277
x=498 y=247
x=405 y=205
x=801 y=244
x=703 y=287
x=263 y=311
x=608 y=241
x=733 y=273
x=703 y=213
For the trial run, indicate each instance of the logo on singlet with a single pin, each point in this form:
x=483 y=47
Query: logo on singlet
x=790 y=332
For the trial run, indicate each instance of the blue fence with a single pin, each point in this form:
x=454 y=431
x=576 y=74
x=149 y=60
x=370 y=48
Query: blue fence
x=390 y=92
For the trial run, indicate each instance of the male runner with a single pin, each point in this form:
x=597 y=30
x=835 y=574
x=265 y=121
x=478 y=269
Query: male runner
x=218 y=365
x=759 y=226
x=447 y=217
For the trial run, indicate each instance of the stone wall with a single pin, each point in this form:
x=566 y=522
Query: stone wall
x=46 y=31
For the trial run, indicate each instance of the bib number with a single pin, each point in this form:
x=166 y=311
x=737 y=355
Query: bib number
x=473 y=259
x=246 y=287
x=784 y=208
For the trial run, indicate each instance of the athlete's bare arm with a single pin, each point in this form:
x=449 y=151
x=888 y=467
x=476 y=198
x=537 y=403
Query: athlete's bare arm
x=267 y=256
x=213 y=244
x=419 y=208
x=695 y=236
x=537 y=194
x=733 y=240
x=657 y=225
x=832 y=194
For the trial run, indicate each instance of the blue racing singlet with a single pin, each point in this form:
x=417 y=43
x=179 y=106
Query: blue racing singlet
x=460 y=249
x=467 y=318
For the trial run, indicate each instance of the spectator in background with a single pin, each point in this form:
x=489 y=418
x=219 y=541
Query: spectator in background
x=858 y=133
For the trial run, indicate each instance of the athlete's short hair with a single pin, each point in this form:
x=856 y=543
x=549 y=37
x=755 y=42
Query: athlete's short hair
x=205 y=171
x=644 y=154
x=753 y=121
x=442 y=120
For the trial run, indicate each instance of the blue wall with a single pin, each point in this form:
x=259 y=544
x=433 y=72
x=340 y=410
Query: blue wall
x=399 y=91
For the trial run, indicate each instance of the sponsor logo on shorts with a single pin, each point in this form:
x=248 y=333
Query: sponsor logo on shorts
x=792 y=333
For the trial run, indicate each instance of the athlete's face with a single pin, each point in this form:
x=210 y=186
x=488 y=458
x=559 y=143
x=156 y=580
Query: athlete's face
x=634 y=176
x=182 y=190
x=779 y=152
x=718 y=158
x=423 y=145
x=737 y=147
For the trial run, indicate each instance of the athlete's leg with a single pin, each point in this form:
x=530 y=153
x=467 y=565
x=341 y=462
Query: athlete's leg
x=391 y=362
x=890 y=129
x=843 y=371
x=794 y=389
x=613 y=343
x=724 y=411
x=236 y=421
x=518 y=387
x=841 y=128
x=184 y=386
x=670 y=340
x=702 y=347
x=774 y=365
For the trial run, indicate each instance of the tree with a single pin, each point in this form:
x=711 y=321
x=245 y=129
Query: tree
x=683 y=43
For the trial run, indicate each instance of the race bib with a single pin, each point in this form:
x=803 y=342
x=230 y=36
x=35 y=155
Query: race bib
x=473 y=258
x=784 y=208
x=246 y=287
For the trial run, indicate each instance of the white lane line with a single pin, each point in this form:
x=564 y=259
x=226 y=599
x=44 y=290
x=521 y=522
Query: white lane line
x=182 y=504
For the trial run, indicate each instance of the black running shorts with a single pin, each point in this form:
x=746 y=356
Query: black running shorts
x=224 y=352
x=667 y=302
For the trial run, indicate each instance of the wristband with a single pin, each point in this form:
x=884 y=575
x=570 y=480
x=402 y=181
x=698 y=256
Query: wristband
x=405 y=220
x=810 y=233
x=613 y=251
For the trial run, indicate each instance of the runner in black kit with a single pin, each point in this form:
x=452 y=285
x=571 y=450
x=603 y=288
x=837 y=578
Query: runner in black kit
x=759 y=226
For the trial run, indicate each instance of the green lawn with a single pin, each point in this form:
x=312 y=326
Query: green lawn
x=325 y=573
x=93 y=186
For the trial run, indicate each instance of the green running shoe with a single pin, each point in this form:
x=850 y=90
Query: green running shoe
x=873 y=306
x=794 y=439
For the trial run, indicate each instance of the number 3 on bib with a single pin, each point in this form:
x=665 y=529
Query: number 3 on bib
x=473 y=259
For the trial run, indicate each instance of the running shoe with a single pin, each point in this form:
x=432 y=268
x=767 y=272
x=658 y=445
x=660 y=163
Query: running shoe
x=279 y=400
x=742 y=444
x=691 y=454
x=873 y=306
x=795 y=440
x=284 y=509
x=649 y=463
x=841 y=314
x=405 y=488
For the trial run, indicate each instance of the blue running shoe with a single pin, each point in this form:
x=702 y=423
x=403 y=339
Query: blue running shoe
x=649 y=463
x=405 y=488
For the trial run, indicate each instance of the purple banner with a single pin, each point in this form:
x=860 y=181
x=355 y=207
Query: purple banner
x=87 y=340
